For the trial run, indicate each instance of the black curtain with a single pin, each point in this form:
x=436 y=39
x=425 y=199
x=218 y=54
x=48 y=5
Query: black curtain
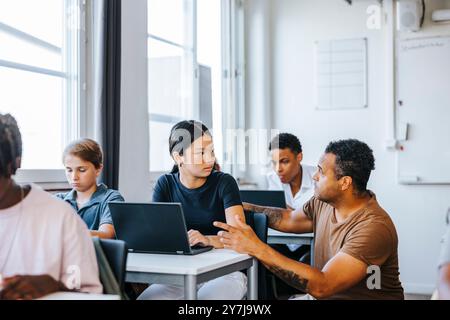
x=110 y=97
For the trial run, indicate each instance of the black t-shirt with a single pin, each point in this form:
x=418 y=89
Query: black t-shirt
x=201 y=206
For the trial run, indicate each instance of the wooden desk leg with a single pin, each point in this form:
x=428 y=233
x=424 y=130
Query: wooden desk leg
x=190 y=287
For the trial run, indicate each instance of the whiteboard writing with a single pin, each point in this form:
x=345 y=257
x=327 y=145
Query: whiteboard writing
x=424 y=44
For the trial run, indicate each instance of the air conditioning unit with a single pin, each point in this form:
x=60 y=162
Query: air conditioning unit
x=441 y=15
x=409 y=15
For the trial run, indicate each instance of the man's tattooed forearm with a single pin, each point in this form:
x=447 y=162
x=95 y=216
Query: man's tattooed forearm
x=290 y=278
x=275 y=215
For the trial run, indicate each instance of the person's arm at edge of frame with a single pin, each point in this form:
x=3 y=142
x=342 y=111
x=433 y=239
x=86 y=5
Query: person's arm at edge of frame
x=444 y=282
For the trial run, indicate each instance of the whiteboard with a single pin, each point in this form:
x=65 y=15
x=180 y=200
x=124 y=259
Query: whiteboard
x=341 y=74
x=423 y=110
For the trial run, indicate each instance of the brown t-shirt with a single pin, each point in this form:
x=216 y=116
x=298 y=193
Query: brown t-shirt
x=368 y=235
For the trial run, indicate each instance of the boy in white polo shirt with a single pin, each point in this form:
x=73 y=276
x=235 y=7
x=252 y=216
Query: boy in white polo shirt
x=296 y=180
x=45 y=246
x=291 y=176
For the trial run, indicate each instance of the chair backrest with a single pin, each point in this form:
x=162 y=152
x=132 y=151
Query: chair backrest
x=259 y=223
x=112 y=260
x=116 y=252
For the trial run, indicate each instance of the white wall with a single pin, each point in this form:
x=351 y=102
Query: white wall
x=417 y=211
x=134 y=179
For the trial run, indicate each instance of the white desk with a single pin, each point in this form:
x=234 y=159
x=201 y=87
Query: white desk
x=277 y=237
x=188 y=271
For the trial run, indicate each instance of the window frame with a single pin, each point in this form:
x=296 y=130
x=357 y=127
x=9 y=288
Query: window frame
x=74 y=91
x=233 y=78
x=162 y=118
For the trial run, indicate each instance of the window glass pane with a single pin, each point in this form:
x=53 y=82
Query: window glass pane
x=42 y=19
x=15 y=50
x=174 y=92
x=170 y=80
x=35 y=101
x=36 y=33
x=171 y=20
x=160 y=159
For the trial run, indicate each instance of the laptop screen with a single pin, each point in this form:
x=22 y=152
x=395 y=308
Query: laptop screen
x=267 y=198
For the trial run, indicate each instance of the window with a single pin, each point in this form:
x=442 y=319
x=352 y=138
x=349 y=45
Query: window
x=40 y=52
x=185 y=52
x=233 y=110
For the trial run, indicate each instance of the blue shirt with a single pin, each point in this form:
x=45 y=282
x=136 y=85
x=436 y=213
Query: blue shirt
x=96 y=211
x=201 y=206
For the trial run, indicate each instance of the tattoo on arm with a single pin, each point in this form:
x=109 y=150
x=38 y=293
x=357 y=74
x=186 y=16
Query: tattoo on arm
x=275 y=215
x=290 y=278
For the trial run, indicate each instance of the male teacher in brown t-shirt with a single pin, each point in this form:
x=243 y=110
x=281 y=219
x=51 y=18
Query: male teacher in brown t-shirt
x=355 y=254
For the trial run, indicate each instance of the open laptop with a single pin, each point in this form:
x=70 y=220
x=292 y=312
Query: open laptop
x=153 y=228
x=266 y=198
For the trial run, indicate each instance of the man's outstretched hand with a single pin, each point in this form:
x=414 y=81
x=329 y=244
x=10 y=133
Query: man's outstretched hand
x=240 y=238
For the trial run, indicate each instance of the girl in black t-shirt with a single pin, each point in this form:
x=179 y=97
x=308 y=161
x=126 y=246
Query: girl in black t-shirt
x=206 y=195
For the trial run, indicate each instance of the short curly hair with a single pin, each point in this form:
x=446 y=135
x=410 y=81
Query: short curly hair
x=286 y=141
x=10 y=145
x=354 y=159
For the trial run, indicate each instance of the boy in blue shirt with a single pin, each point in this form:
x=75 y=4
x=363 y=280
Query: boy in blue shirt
x=83 y=160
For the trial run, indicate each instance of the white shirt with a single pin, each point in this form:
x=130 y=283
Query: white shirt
x=306 y=189
x=296 y=201
x=44 y=235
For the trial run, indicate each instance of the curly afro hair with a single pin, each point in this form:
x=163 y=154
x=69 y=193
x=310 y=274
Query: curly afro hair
x=10 y=145
x=354 y=159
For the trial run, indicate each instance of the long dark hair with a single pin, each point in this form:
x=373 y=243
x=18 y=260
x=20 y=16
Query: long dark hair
x=183 y=134
x=10 y=145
